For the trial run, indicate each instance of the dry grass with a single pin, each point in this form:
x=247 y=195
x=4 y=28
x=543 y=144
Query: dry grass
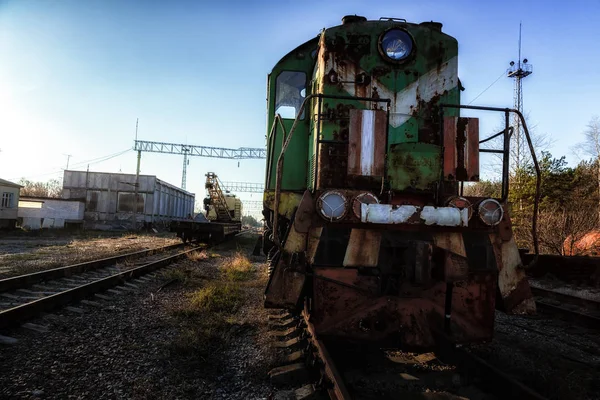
x=237 y=268
x=24 y=254
x=197 y=256
x=216 y=298
x=177 y=274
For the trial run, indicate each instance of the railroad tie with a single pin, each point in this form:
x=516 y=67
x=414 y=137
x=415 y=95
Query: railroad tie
x=35 y=327
x=75 y=310
x=7 y=340
x=294 y=374
x=91 y=303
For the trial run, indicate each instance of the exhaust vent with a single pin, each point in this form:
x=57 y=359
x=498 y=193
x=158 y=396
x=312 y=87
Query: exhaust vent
x=351 y=19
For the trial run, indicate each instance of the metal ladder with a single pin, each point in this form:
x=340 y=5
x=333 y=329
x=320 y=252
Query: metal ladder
x=217 y=198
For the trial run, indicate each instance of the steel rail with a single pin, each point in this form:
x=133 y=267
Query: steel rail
x=17 y=282
x=338 y=391
x=566 y=298
x=587 y=320
x=20 y=313
x=493 y=377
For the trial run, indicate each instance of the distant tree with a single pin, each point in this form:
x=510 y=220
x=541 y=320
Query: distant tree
x=52 y=188
x=591 y=146
x=483 y=189
x=250 y=220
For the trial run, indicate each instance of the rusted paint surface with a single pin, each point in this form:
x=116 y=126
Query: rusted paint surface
x=363 y=248
x=366 y=149
x=285 y=288
x=456 y=267
x=287 y=202
x=314 y=236
x=472 y=150
x=305 y=213
x=450 y=156
x=512 y=281
x=461 y=149
x=409 y=320
x=450 y=241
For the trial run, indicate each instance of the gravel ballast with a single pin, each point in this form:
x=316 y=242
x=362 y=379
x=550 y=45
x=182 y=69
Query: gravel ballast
x=138 y=344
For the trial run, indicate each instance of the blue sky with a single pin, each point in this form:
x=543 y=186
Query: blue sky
x=75 y=75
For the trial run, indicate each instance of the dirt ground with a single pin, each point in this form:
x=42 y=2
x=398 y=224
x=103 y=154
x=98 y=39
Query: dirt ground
x=27 y=253
x=197 y=331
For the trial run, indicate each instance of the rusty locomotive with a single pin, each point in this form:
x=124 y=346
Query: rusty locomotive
x=368 y=230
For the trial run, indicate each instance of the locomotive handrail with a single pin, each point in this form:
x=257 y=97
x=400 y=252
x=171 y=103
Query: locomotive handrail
x=538 y=172
x=286 y=142
x=272 y=136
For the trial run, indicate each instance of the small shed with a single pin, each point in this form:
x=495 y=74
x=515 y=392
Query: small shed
x=47 y=212
x=9 y=203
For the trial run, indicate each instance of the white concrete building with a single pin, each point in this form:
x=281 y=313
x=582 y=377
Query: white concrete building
x=9 y=203
x=44 y=212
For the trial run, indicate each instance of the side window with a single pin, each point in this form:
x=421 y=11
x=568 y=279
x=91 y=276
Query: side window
x=290 y=93
x=7 y=200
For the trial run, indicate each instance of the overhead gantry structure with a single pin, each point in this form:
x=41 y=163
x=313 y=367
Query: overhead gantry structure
x=242 y=153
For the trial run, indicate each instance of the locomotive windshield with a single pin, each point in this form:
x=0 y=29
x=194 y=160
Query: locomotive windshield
x=291 y=90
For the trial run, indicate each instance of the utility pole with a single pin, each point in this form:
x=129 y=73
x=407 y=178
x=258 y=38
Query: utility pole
x=137 y=181
x=68 y=158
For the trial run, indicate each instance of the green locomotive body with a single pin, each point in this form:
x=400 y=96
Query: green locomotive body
x=368 y=230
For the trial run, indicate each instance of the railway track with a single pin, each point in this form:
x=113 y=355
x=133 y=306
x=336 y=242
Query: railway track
x=26 y=296
x=339 y=371
x=577 y=309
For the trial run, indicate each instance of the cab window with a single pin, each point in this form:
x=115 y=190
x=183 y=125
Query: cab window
x=290 y=93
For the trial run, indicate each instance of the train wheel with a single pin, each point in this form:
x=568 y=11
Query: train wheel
x=272 y=259
x=267 y=244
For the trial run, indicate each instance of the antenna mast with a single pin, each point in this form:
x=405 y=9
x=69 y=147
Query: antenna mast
x=518 y=71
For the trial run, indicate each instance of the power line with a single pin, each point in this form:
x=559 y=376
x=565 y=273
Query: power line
x=90 y=162
x=486 y=89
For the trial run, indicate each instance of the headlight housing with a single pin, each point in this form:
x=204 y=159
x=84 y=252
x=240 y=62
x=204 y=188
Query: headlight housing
x=363 y=198
x=332 y=205
x=396 y=44
x=460 y=203
x=490 y=212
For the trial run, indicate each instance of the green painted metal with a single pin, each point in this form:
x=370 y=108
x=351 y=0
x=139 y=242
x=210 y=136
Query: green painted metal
x=300 y=59
x=426 y=79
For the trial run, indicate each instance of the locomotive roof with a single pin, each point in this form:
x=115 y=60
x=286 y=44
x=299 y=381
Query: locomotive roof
x=354 y=20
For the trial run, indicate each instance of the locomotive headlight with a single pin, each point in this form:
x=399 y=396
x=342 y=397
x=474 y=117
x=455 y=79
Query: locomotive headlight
x=332 y=205
x=491 y=212
x=396 y=44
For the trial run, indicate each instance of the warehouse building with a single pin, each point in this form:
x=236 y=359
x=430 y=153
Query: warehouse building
x=46 y=212
x=110 y=200
x=9 y=203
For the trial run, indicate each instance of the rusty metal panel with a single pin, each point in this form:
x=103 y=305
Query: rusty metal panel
x=461 y=149
x=347 y=305
x=456 y=267
x=512 y=281
x=450 y=148
x=363 y=248
x=367 y=140
x=472 y=150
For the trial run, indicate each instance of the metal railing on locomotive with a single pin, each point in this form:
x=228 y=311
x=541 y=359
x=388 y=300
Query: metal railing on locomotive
x=286 y=141
x=505 y=152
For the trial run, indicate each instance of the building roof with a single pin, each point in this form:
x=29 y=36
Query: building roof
x=4 y=182
x=43 y=198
